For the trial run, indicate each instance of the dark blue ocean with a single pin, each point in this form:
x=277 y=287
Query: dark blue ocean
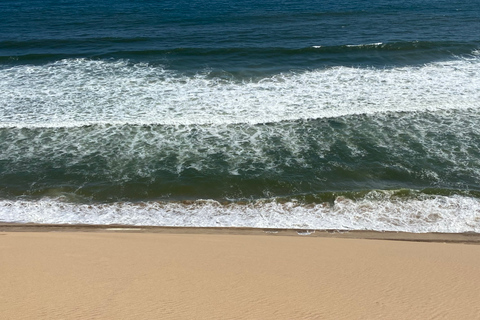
x=295 y=114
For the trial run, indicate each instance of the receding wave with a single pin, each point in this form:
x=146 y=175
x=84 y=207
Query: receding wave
x=114 y=162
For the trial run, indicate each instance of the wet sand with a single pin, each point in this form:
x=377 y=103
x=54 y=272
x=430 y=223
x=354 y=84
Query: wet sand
x=83 y=272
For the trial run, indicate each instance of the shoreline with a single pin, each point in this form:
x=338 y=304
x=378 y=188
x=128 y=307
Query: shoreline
x=466 y=237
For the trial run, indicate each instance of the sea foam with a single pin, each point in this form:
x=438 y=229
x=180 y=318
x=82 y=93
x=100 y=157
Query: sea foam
x=137 y=120
x=378 y=211
x=77 y=92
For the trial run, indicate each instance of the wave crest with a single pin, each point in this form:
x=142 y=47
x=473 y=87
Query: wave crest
x=78 y=92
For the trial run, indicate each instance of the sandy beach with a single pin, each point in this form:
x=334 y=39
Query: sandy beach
x=115 y=273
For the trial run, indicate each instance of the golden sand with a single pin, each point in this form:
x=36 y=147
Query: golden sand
x=121 y=275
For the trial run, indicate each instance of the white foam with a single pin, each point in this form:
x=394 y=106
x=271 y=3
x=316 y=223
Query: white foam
x=79 y=92
x=448 y=140
x=376 y=44
x=377 y=211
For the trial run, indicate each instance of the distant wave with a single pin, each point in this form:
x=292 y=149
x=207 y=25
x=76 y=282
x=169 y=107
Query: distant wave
x=56 y=49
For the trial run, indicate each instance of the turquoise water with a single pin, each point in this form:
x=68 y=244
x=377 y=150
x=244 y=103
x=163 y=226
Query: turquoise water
x=301 y=114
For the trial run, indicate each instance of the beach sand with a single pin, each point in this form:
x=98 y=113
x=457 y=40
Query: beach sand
x=97 y=273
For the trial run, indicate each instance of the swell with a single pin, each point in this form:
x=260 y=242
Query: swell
x=316 y=55
x=389 y=46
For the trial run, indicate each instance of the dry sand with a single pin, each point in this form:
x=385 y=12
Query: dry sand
x=168 y=275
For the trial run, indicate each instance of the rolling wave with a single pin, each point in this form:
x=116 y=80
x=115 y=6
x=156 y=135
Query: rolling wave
x=78 y=92
x=112 y=130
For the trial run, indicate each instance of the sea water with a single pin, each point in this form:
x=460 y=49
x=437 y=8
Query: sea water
x=357 y=115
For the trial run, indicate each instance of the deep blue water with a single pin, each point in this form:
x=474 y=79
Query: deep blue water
x=239 y=36
x=114 y=102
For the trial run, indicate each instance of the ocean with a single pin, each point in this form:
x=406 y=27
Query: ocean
x=319 y=114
